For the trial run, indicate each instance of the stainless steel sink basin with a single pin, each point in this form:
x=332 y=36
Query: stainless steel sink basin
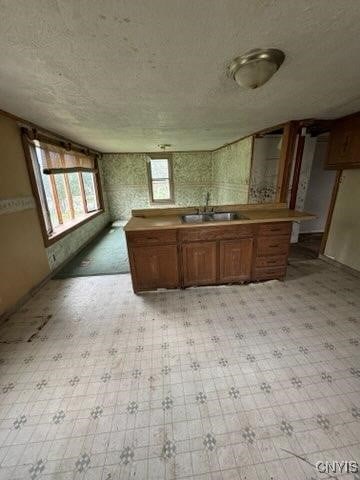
x=213 y=217
x=196 y=218
x=223 y=216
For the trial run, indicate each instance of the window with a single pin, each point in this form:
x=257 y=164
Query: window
x=160 y=180
x=66 y=186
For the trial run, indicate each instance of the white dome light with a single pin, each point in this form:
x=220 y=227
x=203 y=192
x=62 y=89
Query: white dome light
x=255 y=67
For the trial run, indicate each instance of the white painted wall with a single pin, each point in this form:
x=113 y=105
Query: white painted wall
x=307 y=160
x=343 y=242
x=318 y=196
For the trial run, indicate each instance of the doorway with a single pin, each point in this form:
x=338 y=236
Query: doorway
x=314 y=194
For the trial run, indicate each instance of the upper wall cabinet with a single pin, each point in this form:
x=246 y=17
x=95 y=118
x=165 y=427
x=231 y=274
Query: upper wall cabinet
x=344 y=144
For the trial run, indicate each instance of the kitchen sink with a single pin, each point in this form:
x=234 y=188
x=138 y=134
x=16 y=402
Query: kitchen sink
x=213 y=217
x=196 y=218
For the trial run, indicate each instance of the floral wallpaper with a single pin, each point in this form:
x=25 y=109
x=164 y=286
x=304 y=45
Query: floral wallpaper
x=227 y=174
x=231 y=172
x=62 y=250
x=126 y=186
x=224 y=173
x=265 y=162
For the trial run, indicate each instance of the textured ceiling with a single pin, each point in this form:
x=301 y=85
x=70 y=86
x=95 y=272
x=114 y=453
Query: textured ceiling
x=127 y=75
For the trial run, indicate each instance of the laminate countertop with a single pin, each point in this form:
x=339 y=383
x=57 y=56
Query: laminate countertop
x=172 y=221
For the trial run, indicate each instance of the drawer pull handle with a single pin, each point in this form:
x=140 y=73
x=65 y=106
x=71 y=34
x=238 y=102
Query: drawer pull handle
x=274 y=246
x=271 y=262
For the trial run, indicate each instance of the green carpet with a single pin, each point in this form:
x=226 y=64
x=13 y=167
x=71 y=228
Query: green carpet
x=105 y=255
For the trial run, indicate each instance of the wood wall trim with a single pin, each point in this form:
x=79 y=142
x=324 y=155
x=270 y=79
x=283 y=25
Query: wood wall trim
x=54 y=238
x=251 y=165
x=53 y=135
x=259 y=132
x=34 y=188
x=331 y=210
x=285 y=162
x=100 y=196
x=297 y=171
x=302 y=122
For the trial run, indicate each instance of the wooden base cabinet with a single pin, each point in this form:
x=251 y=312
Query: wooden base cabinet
x=271 y=252
x=235 y=260
x=208 y=255
x=199 y=263
x=154 y=267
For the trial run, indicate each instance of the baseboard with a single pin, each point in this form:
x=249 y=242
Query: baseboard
x=337 y=264
x=25 y=298
x=34 y=290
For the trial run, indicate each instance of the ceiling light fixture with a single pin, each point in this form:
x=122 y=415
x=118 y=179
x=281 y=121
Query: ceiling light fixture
x=255 y=67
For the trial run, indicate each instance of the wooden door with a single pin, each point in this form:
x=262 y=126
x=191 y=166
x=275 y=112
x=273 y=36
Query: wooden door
x=155 y=267
x=235 y=260
x=199 y=263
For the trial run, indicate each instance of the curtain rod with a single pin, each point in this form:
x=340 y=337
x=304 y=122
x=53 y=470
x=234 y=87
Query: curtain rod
x=33 y=134
x=22 y=123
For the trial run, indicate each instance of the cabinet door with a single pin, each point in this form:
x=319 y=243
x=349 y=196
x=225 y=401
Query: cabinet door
x=199 y=263
x=235 y=260
x=340 y=145
x=155 y=267
x=344 y=144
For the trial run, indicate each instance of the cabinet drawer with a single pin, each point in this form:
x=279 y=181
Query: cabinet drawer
x=275 y=228
x=271 y=261
x=276 y=245
x=152 y=237
x=215 y=233
x=269 y=273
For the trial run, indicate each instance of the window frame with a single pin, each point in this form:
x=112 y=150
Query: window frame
x=62 y=230
x=150 y=179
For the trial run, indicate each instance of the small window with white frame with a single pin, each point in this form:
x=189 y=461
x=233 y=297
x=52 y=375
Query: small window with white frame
x=160 y=179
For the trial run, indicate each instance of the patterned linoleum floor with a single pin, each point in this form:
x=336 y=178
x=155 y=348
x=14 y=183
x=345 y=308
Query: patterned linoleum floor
x=254 y=382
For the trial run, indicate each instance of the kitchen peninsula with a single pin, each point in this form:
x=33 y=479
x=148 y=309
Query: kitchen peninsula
x=183 y=247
